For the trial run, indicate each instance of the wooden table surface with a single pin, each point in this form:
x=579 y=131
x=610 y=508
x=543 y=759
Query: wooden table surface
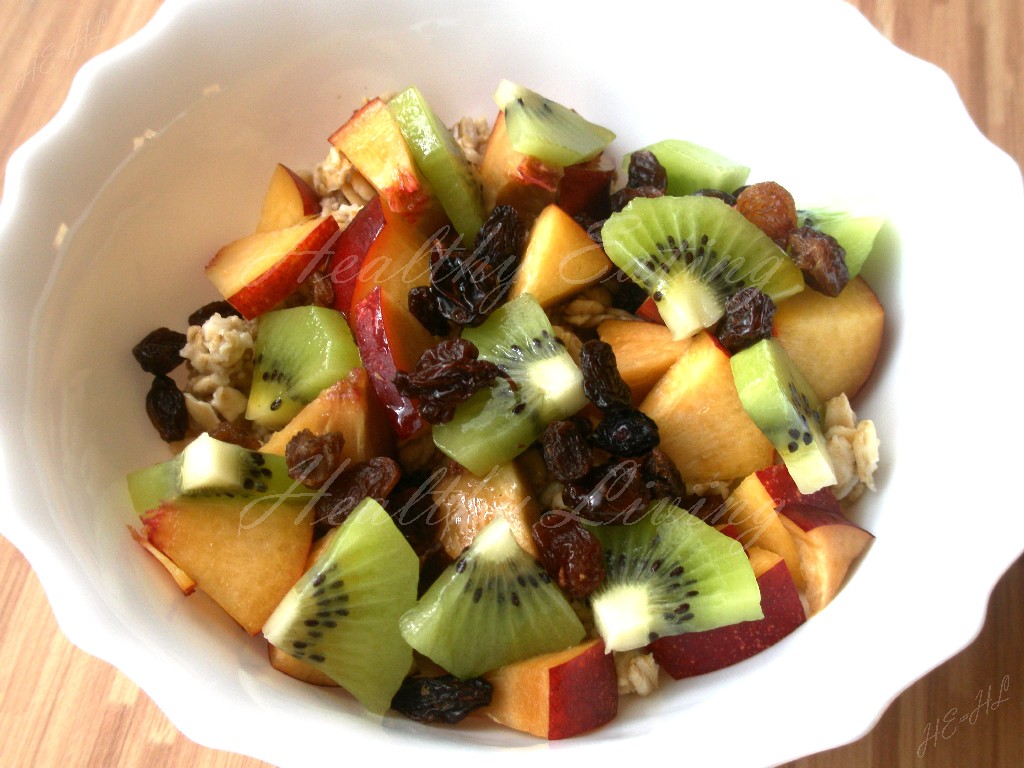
x=59 y=706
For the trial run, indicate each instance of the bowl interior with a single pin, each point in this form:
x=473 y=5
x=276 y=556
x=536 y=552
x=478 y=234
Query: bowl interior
x=177 y=164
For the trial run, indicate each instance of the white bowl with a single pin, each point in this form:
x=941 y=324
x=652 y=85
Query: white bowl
x=160 y=155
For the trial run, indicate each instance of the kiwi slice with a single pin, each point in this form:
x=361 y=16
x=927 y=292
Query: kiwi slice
x=496 y=425
x=691 y=253
x=670 y=573
x=494 y=605
x=783 y=405
x=546 y=130
x=342 y=615
x=209 y=469
x=856 y=233
x=298 y=352
x=690 y=167
x=441 y=160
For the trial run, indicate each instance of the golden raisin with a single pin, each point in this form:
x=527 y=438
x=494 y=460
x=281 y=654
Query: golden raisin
x=770 y=207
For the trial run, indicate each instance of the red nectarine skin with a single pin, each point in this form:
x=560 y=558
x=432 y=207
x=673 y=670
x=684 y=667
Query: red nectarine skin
x=808 y=517
x=695 y=653
x=350 y=252
x=649 y=311
x=584 y=188
x=779 y=484
x=369 y=326
x=569 y=712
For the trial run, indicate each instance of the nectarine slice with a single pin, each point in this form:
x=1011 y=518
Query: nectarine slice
x=244 y=555
x=833 y=342
x=372 y=141
x=348 y=407
x=556 y=695
x=828 y=543
x=257 y=272
x=560 y=259
x=288 y=201
x=703 y=426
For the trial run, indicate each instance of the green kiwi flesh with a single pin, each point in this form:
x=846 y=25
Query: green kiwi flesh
x=209 y=469
x=546 y=130
x=494 y=605
x=496 y=425
x=691 y=253
x=441 y=160
x=342 y=615
x=691 y=167
x=670 y=573
x=298 y=353
x=856 y=233
x=784 y=407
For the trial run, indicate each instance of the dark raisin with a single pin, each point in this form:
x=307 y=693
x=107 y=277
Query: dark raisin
x=592 y=225
x=469 y=286
x=229 y=432
x=165 y=406
x=567 y=453
x=444 y=699
x=770 y=207
x=626 y=294
x=821 y=258
x=205 y=312
x=623 y=197
x=500 y=242
x=712 y=510
x=725 y=197
x=602 y=383
x=626 y=432
x=663 y=479
x=315 y=459
x=412 y=507
x=748 y=319
x=646 y=171
x=424 y=307
x=615 y=492
x=570 y=553
x=646 y=178
x=585 y=191
x=445 y=376
x=159 y=352
x=375 y=478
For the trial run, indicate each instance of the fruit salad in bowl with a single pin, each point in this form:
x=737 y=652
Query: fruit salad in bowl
x=489 y=422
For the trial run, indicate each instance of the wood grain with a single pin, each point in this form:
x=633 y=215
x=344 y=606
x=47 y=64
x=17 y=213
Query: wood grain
x=62 y=707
